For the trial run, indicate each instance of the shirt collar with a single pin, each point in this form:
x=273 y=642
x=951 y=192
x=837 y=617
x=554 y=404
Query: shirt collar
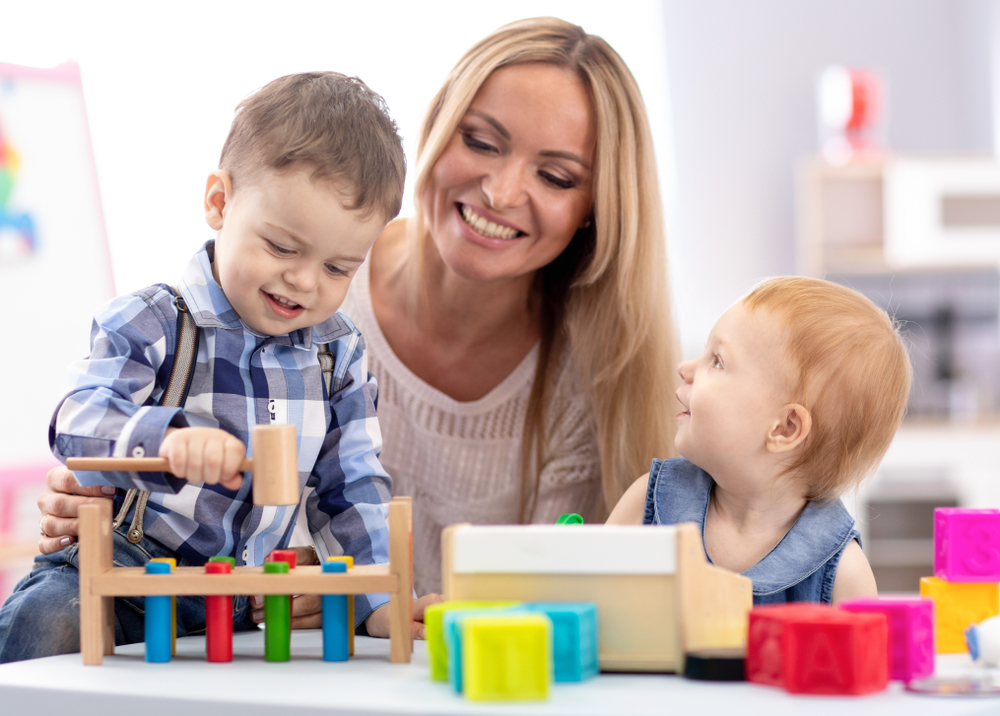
x=211 y=309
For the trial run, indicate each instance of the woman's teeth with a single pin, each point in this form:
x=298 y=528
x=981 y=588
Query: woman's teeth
x=485 y=227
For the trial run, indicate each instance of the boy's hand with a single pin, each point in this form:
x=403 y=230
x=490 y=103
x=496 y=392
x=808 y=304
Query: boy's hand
x=377 y=622
x=208 y=455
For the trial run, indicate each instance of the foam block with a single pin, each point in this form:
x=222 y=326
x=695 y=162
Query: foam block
x=437 y=651
x=814 y=649
x=507 y=657
x=958 y=605
x=911 y=634
x=966 y=544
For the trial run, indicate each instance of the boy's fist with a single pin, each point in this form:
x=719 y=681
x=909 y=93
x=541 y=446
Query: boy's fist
x=209 y=455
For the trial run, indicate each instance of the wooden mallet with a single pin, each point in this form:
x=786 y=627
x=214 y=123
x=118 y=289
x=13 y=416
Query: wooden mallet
x=274 y=465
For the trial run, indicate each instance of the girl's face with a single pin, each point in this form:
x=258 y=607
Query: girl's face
x=514 y=182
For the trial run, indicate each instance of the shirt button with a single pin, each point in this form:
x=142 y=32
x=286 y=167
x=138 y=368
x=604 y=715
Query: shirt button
x=246 y=555
x=138 y=451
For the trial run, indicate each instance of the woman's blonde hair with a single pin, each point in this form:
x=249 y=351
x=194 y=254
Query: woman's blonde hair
x=850 y=369
x=606 y=294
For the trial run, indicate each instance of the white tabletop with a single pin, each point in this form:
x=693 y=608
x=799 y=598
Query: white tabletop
x=368 y=684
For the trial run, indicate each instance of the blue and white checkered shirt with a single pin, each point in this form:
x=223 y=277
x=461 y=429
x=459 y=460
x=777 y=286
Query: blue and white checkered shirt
x=241 y=379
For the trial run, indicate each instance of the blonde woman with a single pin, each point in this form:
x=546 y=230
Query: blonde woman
x=518 y=323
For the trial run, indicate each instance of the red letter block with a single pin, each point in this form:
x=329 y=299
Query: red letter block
x=813 y=649
x=966 y=545
x=911 y=633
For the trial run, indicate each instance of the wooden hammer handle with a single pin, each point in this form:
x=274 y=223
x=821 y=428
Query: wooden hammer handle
x=132 y=464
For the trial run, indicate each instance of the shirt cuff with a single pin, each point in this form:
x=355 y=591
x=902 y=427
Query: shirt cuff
x=365 y=604
x=141 y=437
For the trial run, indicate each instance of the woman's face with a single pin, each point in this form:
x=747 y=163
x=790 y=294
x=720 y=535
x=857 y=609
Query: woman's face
x=514 y=182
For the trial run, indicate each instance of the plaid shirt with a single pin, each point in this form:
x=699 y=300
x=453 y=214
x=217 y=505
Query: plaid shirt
x=241 y=379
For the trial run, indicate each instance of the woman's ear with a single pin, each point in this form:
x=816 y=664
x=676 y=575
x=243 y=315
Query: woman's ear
x=218 y=192
x=790 y=430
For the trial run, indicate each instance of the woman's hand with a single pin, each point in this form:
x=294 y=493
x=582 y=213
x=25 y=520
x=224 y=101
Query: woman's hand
x=377 y=622
x=60 y=508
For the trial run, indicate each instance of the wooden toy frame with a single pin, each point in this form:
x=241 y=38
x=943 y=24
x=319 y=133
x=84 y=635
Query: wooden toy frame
x=101 y=582
x=657 y=596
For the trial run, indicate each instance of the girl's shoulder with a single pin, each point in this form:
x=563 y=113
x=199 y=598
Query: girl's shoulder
x=678 y=491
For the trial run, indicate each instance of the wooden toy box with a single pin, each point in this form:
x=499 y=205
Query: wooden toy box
x=657 y=596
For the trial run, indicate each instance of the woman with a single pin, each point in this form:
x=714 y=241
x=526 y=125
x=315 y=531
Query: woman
x=518 y=324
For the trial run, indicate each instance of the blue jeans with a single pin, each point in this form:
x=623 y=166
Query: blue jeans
x=42 y=616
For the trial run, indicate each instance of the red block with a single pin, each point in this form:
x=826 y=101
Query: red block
x=813 y=649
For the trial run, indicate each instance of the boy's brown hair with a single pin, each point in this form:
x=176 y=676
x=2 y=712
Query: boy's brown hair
x=848 y=365
x=332 y=122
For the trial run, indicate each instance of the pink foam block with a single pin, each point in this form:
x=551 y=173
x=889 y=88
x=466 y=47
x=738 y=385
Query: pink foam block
x=966 y=544
x=911 y=634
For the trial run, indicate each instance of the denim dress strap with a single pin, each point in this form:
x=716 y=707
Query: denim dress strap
x=802 y=566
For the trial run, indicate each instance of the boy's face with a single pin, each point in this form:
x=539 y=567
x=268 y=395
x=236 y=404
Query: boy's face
x=286 y=248
x=734 y=392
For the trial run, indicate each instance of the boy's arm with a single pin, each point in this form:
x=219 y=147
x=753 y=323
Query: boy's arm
x=347 y=512
x=854 y=575
x=109 y=410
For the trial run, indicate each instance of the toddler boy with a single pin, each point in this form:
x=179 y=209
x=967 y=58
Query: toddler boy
x=311 y=172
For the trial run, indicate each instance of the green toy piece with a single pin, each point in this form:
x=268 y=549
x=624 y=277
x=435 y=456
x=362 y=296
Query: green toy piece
x=570 y=518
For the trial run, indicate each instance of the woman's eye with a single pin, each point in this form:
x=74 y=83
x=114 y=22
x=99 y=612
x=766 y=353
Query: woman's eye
x=473 y=143
x=557 y=181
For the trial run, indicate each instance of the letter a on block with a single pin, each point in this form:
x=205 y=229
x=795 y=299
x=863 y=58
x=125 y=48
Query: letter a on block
x=820 y=668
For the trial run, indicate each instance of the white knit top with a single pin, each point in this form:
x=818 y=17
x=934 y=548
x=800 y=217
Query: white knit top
x=460 y=461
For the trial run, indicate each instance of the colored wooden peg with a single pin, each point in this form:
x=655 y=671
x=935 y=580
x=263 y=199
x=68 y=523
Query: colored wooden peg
x=277 y=619
x=289 y=557
x=222 y=558
x=351 y=626
x=158 y=631
x=335 y=625
x=219 y=618
x=173 y=605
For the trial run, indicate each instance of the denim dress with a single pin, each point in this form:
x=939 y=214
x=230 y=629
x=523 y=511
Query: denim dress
x=803 y=565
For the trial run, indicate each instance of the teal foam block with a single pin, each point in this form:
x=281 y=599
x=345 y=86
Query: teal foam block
x=574 y=638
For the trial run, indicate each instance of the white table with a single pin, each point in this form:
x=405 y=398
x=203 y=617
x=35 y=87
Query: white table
x=368 y=684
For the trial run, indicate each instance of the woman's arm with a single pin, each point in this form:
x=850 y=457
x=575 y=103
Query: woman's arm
x=854 y=575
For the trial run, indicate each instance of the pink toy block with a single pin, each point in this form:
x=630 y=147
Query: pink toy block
x=966 y=544
x=911 y=634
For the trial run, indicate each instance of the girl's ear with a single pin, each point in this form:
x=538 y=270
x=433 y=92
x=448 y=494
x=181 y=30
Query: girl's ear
x=790 y=430
x=218 y=192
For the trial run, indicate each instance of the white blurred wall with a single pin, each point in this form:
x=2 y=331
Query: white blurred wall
x=741 y=80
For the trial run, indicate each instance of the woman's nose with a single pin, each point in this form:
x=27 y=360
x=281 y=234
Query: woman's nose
x=505 y=187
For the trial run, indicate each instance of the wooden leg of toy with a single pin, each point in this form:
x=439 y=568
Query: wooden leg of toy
x=97 y=636
x=401 y=565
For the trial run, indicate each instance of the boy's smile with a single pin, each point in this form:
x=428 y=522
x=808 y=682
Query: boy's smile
x=286 y=248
